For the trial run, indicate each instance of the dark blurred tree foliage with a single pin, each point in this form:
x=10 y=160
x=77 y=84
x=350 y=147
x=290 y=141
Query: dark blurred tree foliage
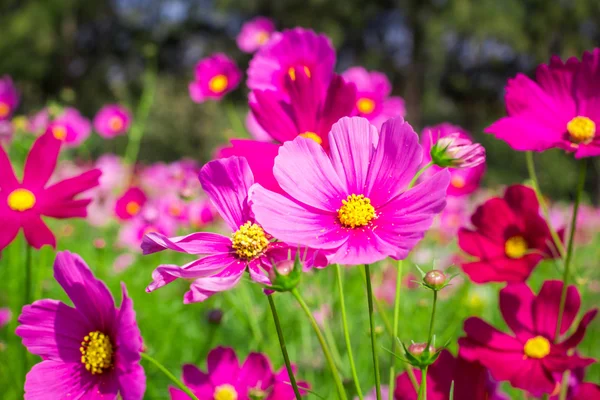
x=450 y=59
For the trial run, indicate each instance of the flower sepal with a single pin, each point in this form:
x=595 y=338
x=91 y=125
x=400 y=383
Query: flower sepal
x=285 y=275
x=435 y=279
x=421 y=355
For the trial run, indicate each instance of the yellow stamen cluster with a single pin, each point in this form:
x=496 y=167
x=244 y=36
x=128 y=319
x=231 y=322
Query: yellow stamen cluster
x=365 y=105
x=356 y=211
x=132 y=208
x=537 y=347
x=96 y=352
x=115 y=123
x=292 y=72
x=458 y=182
x=262 y=37
x=59 y=132
x=313 y=136
x=4 y=109
x=581 y=130
x=516 y=247
x=225 y=392
x=21 y=200
x=249 y=241
x=218 y=83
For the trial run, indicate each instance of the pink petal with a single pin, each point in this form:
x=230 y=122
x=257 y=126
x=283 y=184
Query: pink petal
x=8 y=180
x=67 y=209
x=478 y=245
x=193 y=376
x=195 y=243
x=226 y=182
x=201 y=289
x=339 y=102
x=256 y=372
x=37 y=232
x=128 y=338
x=270 y=113
x=546 y=306
x=10 y=227
x=576 y=338
x=481 y=332
x=58 y=380
x=132 y=383
x=516 y=305
x=500 y=269
x=223 y=365
x=364 y=246
x=41 y=161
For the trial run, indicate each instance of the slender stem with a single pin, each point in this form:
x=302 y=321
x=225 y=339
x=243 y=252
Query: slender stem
x=373 y=334
x=536 y=187
x=338 y=271
x=418 y=174
x=234 y=119
x=569 y=256
x=423 y=388
x=395 y=328
x=431 y=322
x=564 y=385
x=326 y=352
x=169 y=375
x=286 y=357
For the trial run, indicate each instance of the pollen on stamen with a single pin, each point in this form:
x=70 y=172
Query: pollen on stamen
x=313 y=136
x=249 y=241
x=356 y=211
x=96 y=352
x=581 y=130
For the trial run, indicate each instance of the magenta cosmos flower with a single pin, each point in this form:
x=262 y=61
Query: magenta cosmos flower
x=112 y=120
x=509 y=238
x=226 y=380
x=22 y=204
x=530 y=357
x=214 y=77
x=130 y=203
x=9 y=98
x=463 y=181
x=91 y=350
x=226 y=182
x=70 y=127
x=373 y=100
x=560 y=110
x=312 y=109
x=254 y=34
x=354 y=202
x=288 y=52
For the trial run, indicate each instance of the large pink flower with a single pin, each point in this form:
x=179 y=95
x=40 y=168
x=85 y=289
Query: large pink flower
x=22 y=204
x=70 y=127
x=529 y=358
x=226 y=182
x=354 y=202
x=560 y=110
x=89 y=351
x=215 y=76
x=373 y=100
x=255 y=34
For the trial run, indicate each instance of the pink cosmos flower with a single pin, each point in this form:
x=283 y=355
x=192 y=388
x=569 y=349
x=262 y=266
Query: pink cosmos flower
x=471 y=381
x=560 y=110
x=373 y=100
x=288 y=52
x=462 y=181
x=38 y=122
x=352 y=203
x=112 y=120
x=5 y=316
x=225 y=378
x=130 y=203
x=22 y=204
x=91 y=350
x=215 y=76
x=311 y=111
x=9 y=98
x=226 y=182
x=70 y=127
x=529 y=358
x=509 y=240
x=254 y=34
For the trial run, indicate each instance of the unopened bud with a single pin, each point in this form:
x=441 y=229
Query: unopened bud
x=416 y=349
x=214 y=316
x=435 y=279
x=284 y=268
x=457 y=151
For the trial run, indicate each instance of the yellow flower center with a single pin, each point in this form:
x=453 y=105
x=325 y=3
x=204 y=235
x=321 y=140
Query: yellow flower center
x=313 y=136
x=458 y=182
x=20 y=123
x=356 y=210
x=516 y=247
x=225 y=392
x=132 y=208
x=21 y=200
x=59 y=132
x=365 y=105
x=249 y=241
x=218 y=83
x=581 y=130
x=4 y=109
x=96 y=352
x=537 y=347
x=115 y=123
x=262 y=37
x=292 y=72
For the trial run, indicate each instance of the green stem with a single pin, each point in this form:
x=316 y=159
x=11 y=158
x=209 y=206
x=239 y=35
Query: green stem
x=395 y=328
x=234 y=120
x=418 y=174
x=286 y=357
x=169 y=375
x=338 y=271
x=538 y=193
x=326 y=352
x=423 y=387
x=569 y=256
x=431 y=322
x=564 y=385
x=373 y=333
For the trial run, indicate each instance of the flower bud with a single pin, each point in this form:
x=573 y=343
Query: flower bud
x=456 y=151
x=214 y=316
x=285 y=274
x=416 y=349
x=435 y=279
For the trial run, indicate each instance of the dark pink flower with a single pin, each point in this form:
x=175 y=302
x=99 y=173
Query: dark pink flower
x=558 y=110
x=112 y=120
x=529 y=358
x=352 y=203
x=509 y=240
x=130 y=203
x=214 y=77
x=373 y=100
x=22 y=204
x=91 y=350
x=226 y=182
x=70 y=127
x=9 y=98
x=255 y=34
